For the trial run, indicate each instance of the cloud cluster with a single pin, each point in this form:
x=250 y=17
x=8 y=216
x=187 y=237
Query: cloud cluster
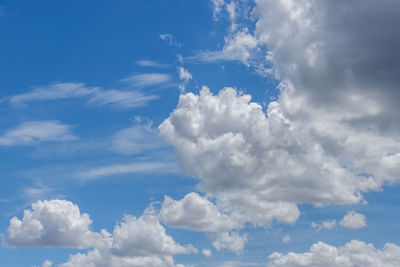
x=332 y=134
x=134 y=241
x=232 y=241
x=355 y=253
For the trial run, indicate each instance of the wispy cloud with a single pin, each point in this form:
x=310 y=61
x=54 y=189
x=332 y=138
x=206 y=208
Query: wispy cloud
x=96 y=95
x=147 y=79
x=122 y=99
x=53 y=91
x=118 y=169
x=37 y=131
x=151 y=63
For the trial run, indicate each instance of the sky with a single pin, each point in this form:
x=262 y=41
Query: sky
x=199 y=133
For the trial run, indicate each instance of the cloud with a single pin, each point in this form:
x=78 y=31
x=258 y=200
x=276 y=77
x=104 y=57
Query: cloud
x=286 y=239
x=53 y=91
x=232 y=241
x=195 y=213
x=147 y=79
x=354 y=253
x=134 y=241
x=353 y=220
x=151 y=63
x=329 y=225
x=121 y=99
x=167 y=37
x=96 y=96
x=137 y=139
x=119 y=169
x=52 y=223
x=239 y=47
x=206 y=252
x=31 y=132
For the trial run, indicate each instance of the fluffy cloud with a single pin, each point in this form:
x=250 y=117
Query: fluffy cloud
x=37 y=131
x=332 y=134
x=206 y=252
x=354 y=253
x=232 y=241
x=144 y=236
x=196 y=213
x=135 y=241
x=353 y=220
x=52 y=223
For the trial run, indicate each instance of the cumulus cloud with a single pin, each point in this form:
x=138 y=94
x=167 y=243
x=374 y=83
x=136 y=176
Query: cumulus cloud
x=332 y=133
x=31 y=132
x=134 y=241
x=51 y=223
x=353 y=220
x=95 y=95
x=232 y=241
x=355 y=253
x=329 y=225
x=196 y=213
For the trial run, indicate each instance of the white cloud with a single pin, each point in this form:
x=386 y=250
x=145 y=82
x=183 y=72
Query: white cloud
x=147 y=79
x=118 y=169
x=329 y=225
x=238 y=47
x=184 y=74
x=135 y=241
x=31 y=132
x=121 y=99
x=137 y=139
x=144 y=236
x=52 y=223
x=195 y=213
x=53 y=91
x=206 y=252
x=286 y=239
x=151 y=63
x=167 y=37
x=232 y=241
x=95 y=95
x=353 y=220
x=355 y=253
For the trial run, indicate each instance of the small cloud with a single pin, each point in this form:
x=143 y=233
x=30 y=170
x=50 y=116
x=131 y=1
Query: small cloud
x=286 y=239
x=119 y=169
x=151 y=63
x=121 y=99
x=31 y=132
x=167 y=37
x=206 y=252
x=148 y=79
x=329 y=225
x=353 y=220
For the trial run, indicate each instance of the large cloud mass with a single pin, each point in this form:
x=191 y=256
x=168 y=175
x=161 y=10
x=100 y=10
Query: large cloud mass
x=332 y=134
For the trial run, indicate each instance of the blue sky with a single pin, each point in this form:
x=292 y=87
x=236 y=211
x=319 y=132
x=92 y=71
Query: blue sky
x=199 y=133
